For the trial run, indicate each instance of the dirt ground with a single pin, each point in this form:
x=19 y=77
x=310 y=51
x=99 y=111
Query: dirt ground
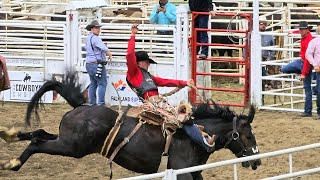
x=274 y=131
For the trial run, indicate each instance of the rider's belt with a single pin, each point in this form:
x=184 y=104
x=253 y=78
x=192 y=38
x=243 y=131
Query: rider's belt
x=92 y=62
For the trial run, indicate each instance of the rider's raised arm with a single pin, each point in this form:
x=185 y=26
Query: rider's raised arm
x=131 y=57
x=169 y=82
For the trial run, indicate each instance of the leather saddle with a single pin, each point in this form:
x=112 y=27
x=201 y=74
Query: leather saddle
x=148 y=116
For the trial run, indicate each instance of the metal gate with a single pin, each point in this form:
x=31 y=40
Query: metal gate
x=203 y=75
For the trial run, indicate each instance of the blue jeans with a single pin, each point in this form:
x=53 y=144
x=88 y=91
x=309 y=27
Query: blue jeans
x=201 y=21
x=308 y=94
x=296 y=67
x=318 y=94
x=97 y=83
x=314 y=89
x=195 y=134
x=293 y=67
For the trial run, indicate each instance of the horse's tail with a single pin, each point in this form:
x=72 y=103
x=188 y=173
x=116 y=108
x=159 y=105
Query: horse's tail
x=69 y=89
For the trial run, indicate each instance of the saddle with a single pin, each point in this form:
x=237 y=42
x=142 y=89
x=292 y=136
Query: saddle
x=159 y=117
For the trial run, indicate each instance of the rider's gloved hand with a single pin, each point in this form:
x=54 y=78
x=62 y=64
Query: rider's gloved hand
x=190 y=82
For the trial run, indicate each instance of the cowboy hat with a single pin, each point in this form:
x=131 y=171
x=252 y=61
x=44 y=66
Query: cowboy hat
x=143 y=56
x=304 y=25
x=263 y=19
x=94 y=23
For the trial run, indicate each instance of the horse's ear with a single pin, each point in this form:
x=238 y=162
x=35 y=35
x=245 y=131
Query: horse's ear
x=251 y=114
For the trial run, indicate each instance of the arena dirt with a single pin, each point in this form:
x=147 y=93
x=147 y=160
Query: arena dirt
x=274 y=131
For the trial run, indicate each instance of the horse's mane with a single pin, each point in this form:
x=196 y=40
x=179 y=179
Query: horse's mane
x=205 y=110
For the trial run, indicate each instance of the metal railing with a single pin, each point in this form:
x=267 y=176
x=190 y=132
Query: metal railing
x=171 y=174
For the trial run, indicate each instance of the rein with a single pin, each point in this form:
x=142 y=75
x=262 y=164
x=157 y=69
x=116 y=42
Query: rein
x=198 y=93
x=179 y=88
x=175 y=90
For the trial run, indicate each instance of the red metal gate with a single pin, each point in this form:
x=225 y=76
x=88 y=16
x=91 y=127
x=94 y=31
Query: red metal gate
x=244 y=61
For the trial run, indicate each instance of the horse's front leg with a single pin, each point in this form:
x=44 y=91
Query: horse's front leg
x=14 y=134
x=52 y=147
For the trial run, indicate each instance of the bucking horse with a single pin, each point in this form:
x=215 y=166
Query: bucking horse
x=84 y=129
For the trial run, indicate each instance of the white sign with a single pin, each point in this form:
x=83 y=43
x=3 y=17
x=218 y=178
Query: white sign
x=24 y=85
x=25 y=62
x=126 y=95
x=116 y=65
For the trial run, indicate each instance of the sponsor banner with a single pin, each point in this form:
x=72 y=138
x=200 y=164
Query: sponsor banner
x=126 y=95
x=113 y=65
x=24 y=85
x=25 y=62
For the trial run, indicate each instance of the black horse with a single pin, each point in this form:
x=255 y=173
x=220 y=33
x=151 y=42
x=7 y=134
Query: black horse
x=83 y=131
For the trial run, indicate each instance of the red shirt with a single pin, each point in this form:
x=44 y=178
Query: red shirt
x=134 y=75
x=303 y=48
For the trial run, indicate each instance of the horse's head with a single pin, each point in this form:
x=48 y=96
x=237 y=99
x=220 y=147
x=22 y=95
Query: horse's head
x=241 y=140
x=233 y=131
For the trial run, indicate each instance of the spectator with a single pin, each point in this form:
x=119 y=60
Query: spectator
x=4 y=76
x=266 y=40
x=164 y=13
x=96 y=52
x=313 y=56
x=201 y=21
x=303 y=67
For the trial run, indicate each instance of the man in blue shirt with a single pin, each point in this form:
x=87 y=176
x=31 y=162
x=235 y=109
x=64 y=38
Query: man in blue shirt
x=164 y=13
x=96 y=52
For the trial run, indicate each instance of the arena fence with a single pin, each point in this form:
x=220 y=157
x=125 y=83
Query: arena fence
x=171 y=174
x=287 y=93
x=54 y=42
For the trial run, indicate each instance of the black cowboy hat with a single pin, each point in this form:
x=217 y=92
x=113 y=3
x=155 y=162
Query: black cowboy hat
x=143 y=56
x=94 y=23
x=304 y=25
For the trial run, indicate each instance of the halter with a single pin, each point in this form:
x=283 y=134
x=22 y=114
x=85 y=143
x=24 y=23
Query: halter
x=236 y=137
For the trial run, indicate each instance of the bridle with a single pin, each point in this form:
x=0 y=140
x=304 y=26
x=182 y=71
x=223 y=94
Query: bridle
x=236 y=137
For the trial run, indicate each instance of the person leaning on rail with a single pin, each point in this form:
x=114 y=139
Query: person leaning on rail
x=303 y=67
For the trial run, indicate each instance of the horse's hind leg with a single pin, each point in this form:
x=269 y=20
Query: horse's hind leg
x=13 y=135
x=38 y=134
x=52 y=147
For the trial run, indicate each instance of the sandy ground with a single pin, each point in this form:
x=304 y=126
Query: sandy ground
x=274 y=131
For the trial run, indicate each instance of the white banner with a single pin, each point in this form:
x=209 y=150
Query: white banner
x=114 y=65
x=126 y=95
x=24 y=85
x=25 y=62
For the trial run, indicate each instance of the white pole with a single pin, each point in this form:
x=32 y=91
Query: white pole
x=290 y=163
x=256 y=72
x=178 y=43
x=235 y=172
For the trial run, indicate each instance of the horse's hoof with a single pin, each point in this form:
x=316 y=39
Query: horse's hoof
x=3 y=129
x=9 y=135
x=10 y=165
